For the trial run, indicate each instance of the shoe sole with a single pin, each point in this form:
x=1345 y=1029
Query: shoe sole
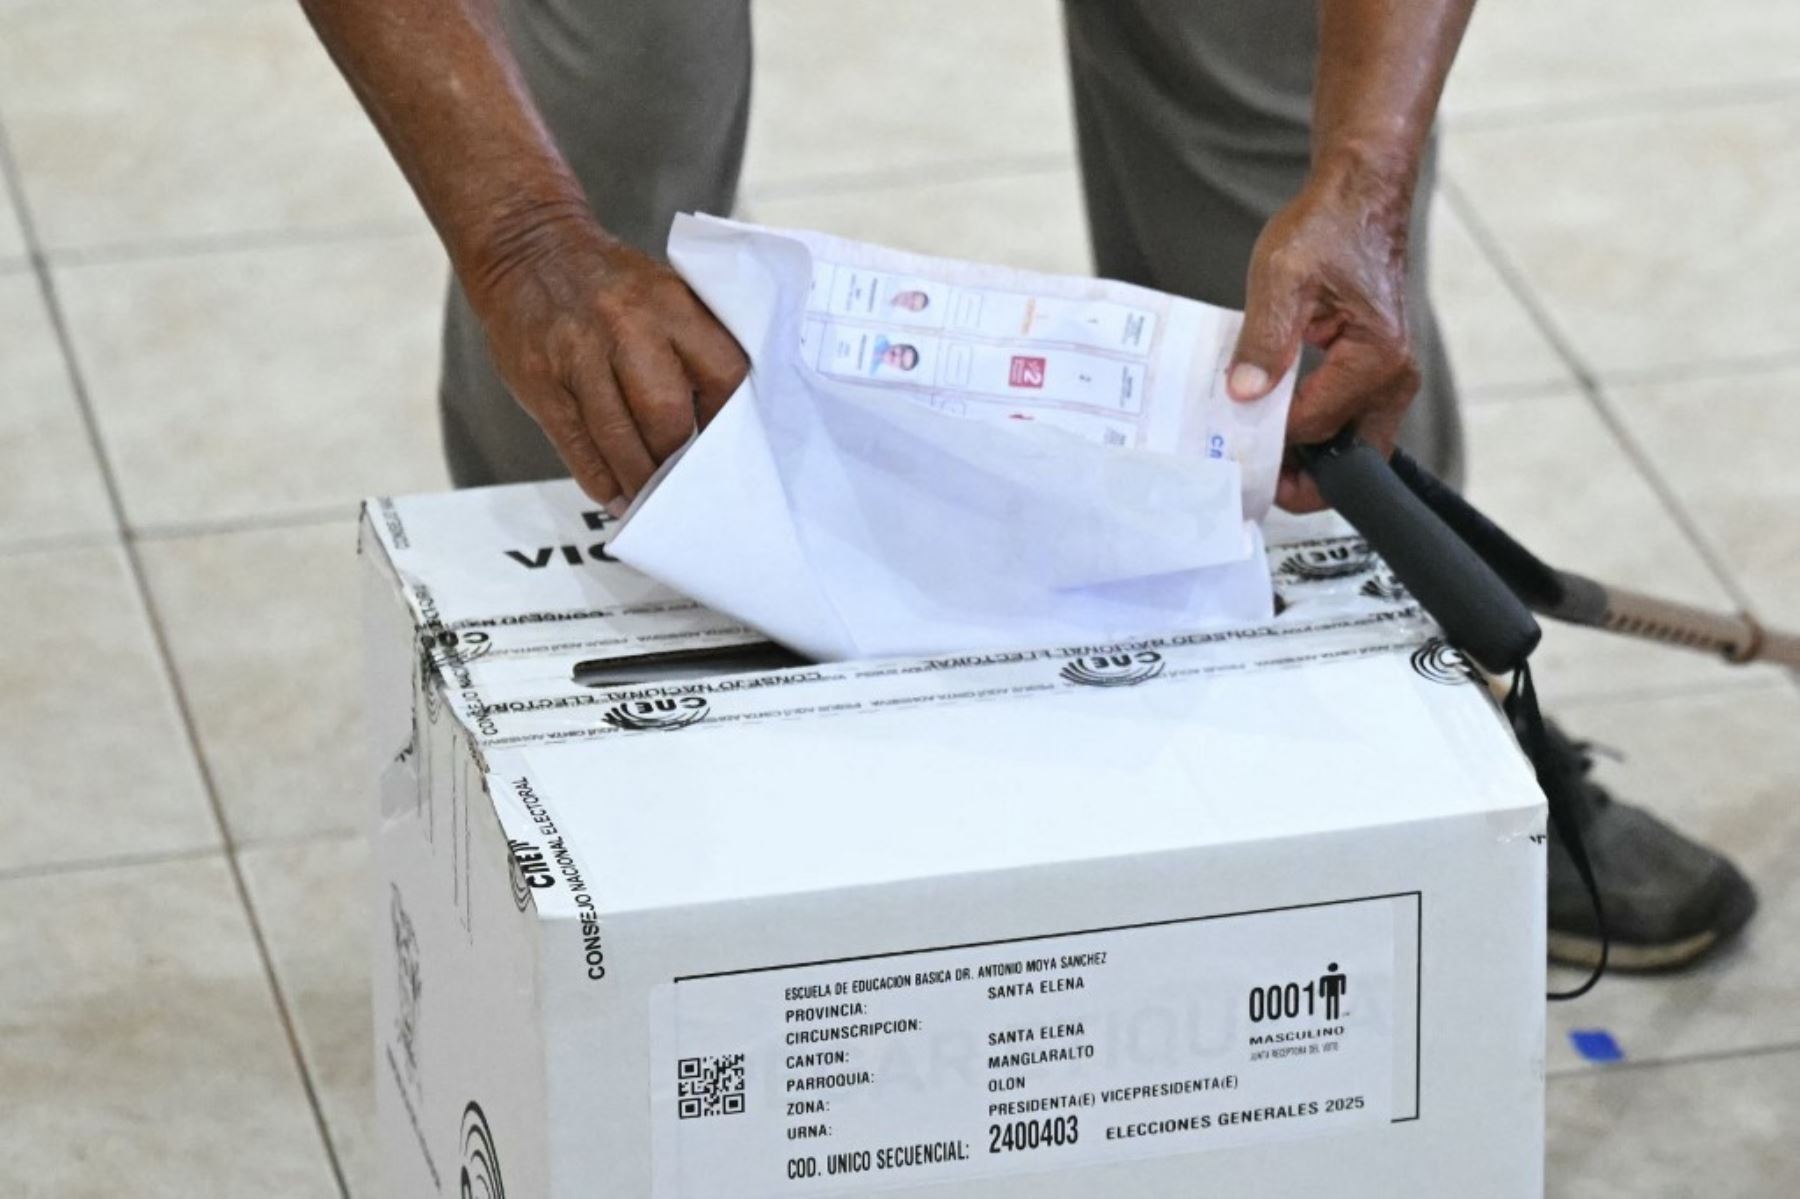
x=1573 y=949
x=1569 y=949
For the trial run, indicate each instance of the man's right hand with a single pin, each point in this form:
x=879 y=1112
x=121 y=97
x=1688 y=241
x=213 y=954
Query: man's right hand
x=611 y=353
x=616 y=359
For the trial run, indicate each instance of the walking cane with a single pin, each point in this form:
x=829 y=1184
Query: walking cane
x=1573 y=598
x=1428 y=533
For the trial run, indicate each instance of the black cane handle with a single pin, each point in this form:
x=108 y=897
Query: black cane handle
x=1479 y=613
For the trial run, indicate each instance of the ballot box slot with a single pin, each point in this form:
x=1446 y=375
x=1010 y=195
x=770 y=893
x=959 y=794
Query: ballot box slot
x=684 y=664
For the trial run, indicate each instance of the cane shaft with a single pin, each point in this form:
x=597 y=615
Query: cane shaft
x=1738 y=638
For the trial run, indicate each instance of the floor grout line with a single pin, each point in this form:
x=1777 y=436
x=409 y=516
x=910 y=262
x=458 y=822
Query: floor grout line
x=1704 y=370
x=202 y=246
x=1731 y=686
x=1699 y=370
x=1702 y=1058
x=123 y=861
x=1693 y=98
x=21 y=547
x=312 y=518
x=1591 y=388
x=304 y=518
x=300 y=518
x=949 y=171
x=127 y=861
x=331 y=836
x=11 y=180
x=1512 y=393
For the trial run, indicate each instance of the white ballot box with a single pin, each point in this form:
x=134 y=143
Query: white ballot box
x=1256 y=911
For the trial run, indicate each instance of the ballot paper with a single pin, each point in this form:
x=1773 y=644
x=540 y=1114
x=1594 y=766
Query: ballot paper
x=933 y=456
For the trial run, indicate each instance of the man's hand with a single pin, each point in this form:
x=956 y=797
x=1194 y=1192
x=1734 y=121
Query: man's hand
x=606 y=348
x=1330 y=271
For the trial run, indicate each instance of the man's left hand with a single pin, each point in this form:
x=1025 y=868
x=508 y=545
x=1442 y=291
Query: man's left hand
x=1330 y=271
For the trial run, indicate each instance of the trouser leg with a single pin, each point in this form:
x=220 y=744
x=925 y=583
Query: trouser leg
x=1194 y=125
x=648 y=100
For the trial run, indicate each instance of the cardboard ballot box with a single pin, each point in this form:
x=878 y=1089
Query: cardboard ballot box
x=1252 y=912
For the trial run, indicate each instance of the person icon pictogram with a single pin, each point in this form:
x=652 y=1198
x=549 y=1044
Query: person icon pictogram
x=1332 y=988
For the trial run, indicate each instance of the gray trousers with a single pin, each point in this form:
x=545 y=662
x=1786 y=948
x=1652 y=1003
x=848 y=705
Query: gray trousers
x=1193 y=122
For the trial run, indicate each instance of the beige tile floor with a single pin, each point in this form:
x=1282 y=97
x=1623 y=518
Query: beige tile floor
x=217 y=333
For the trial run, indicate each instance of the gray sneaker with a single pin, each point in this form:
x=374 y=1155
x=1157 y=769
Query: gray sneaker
x=1668 y=900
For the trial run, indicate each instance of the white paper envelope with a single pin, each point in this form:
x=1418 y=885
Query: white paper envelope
x=885 y=483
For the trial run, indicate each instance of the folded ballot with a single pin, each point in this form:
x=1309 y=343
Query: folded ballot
x=933 y=456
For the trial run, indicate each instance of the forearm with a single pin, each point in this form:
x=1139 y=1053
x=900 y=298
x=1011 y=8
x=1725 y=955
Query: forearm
x=441 y=84
x=1382 y=66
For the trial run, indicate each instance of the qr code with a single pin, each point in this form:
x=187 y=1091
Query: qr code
x=711 y=1086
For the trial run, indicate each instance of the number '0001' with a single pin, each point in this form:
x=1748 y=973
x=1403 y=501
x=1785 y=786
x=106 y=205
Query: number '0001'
x=1280 y=1001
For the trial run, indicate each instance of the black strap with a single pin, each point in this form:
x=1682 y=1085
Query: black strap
x=1522 y=708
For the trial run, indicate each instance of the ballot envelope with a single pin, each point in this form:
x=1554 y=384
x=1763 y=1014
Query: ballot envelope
x=665 y=913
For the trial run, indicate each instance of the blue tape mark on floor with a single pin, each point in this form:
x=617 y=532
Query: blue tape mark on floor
x=1596 y=1045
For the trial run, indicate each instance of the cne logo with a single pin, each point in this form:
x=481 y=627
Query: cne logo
x=1339 y=560
x=481 y=1164
x=657 y=715
x=1440 y=662
x=1026 y=372
x=529 y=871
x=1386 y=585
x=1113 y=670
x=452 y=648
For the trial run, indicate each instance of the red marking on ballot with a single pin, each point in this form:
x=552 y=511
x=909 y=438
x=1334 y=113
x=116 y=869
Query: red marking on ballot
x=1027 y=372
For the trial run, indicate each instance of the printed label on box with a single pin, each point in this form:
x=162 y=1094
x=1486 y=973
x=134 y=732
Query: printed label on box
x=1007 y=1057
